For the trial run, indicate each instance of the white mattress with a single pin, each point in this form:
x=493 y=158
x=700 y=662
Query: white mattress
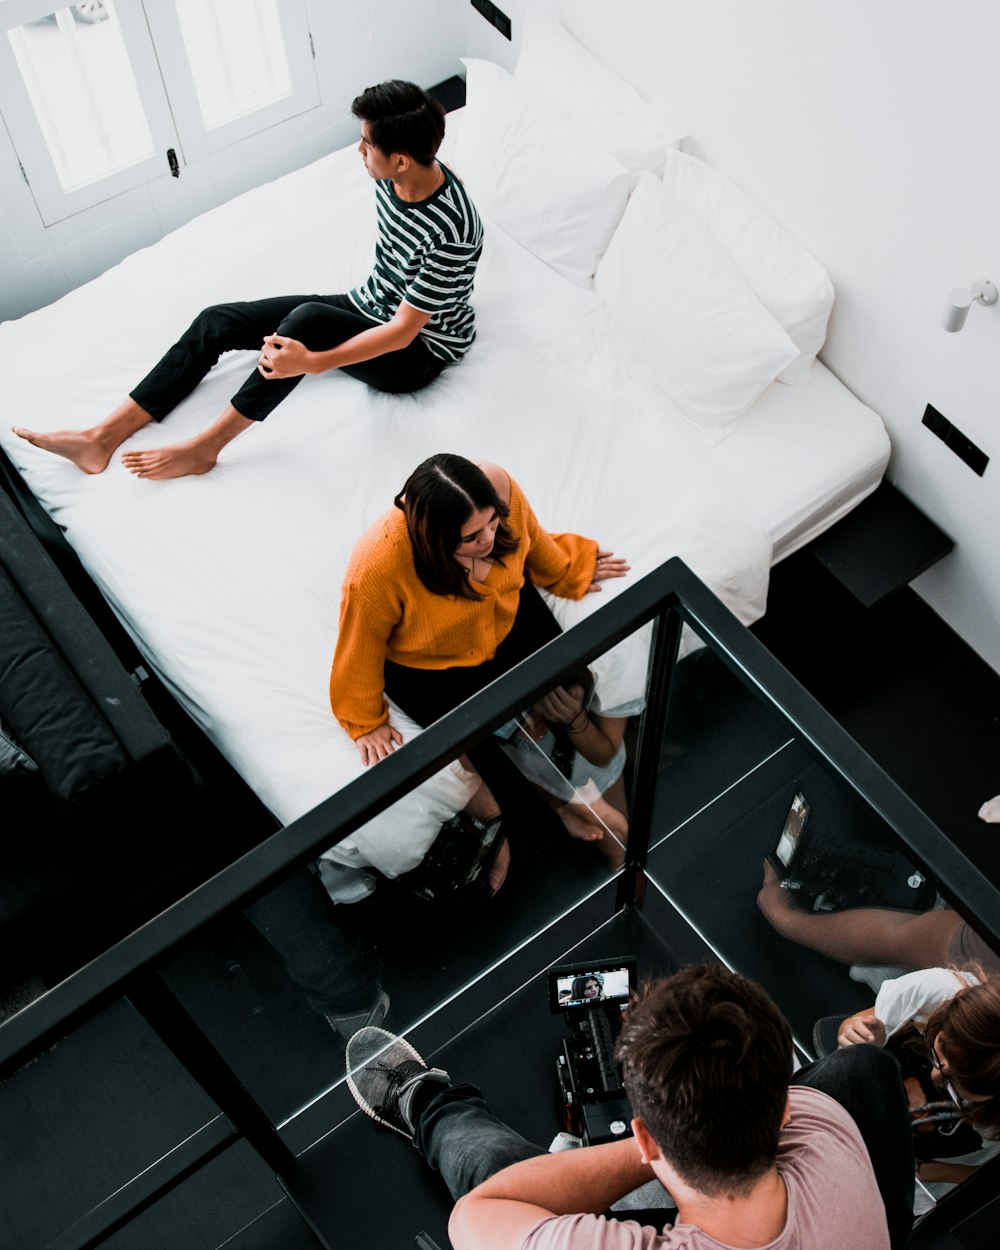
x=230 y=582
x=803 y=457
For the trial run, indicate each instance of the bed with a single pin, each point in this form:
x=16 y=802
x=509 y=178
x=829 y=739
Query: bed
x=229 y=583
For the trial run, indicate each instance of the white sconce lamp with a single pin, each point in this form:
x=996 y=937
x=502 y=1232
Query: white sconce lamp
x=960 y=301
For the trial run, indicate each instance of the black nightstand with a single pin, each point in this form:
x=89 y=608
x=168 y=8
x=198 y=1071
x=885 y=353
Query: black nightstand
x=881 y=545
x=451 y=92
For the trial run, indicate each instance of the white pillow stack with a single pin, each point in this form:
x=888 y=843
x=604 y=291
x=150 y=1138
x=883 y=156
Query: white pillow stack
x=713 y=299
x=538 y=175
x=697 y=330
x=787 y=279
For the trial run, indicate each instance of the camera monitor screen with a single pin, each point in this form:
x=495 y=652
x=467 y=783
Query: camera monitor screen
x=597 y=981
x=795 y=823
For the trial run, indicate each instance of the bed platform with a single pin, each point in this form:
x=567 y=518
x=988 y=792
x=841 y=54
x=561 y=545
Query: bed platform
x=229 y=583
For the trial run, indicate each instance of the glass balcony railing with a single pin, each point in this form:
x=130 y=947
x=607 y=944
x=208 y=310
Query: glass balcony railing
x=666 y=810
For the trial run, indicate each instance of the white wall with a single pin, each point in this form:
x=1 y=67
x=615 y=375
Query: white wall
x=872 y=132
x=869 y=130
x=356 y=44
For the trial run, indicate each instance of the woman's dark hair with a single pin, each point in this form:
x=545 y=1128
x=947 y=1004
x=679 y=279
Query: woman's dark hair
x=707 y=1058
x=402 y=117
x=579 y=987
x=967 y=1027
x=439 y=497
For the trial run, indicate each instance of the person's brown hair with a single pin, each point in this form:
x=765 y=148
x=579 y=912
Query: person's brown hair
x=967 y=1027
x=439 y=497
x=402 y=117
x=707 y=1058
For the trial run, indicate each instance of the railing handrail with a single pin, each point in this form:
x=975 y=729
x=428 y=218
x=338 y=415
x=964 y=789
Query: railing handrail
x=84 y=991
x=672 y=585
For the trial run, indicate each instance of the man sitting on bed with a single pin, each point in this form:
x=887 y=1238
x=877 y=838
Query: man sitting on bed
x=396 y=331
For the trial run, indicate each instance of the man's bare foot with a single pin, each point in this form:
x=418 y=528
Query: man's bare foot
x=179 y=460
x=85 y=448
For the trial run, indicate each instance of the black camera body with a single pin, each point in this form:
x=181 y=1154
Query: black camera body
x=592 y=998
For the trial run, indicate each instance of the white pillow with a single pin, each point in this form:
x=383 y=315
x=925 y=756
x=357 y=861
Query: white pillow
x=536 y=174
x=788 y=280
x=574 y=81
x=698 y=332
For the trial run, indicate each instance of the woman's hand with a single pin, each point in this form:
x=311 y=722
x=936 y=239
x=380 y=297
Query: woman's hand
x=282 y=357
x=607 y=566
x=862 y=1027
x=562 y=705
x=378 y=744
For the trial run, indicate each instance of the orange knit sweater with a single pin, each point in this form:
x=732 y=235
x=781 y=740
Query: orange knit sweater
x=386 y=612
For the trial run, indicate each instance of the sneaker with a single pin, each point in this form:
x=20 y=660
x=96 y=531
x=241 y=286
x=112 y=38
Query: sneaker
x=348 y=1025
x=383 y=1072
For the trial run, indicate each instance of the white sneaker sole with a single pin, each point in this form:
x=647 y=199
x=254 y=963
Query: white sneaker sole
x=390 y=1040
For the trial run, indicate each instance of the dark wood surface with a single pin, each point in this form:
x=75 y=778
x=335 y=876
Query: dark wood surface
x=881 y=545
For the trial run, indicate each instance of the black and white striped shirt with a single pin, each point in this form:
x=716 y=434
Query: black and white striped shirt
x=426 y=255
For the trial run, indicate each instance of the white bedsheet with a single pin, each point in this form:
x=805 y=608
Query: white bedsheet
x=230 y=582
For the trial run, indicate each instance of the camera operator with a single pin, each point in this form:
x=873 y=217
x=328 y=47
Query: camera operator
x=707 y=1059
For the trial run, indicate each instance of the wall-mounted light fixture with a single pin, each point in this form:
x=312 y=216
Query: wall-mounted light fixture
x=961 y=299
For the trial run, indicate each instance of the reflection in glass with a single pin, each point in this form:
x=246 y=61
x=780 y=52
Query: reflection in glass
x=87 y=1116
x=571 y=745
x=396 y=920
x=237 y=56
x=84 y=95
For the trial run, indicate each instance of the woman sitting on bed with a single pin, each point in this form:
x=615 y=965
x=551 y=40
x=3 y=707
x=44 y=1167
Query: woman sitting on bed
x=439 y=600
x=396 y=331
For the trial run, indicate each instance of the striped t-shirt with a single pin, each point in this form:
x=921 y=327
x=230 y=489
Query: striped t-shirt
x=426 y=255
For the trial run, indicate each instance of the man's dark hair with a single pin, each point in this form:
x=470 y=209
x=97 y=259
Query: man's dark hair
x=402 y=117
x=707 y=1058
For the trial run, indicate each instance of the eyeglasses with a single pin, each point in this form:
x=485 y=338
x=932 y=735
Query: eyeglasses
x=963 y=1104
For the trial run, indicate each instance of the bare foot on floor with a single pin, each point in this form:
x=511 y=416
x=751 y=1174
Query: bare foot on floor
x=990 y=811
x=498 y=873
x=178 y=460
x=82 y=447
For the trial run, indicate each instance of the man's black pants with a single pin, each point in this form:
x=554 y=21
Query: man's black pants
x=318 y=321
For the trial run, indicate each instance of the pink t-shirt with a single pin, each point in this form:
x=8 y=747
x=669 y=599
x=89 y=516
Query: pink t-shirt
x=833 y=1200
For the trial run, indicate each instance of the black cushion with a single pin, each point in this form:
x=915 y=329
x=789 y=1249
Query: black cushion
x=45 y=707
x=15 y=764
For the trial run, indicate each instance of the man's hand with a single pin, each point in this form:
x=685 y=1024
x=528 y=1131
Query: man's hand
x=282 y=357
x=863 y=1027
x=378 y=744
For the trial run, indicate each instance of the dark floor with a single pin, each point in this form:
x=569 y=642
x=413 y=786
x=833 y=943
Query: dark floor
x=916 y=697
x=913 y=695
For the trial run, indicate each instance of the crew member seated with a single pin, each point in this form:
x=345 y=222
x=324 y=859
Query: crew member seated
x=748 y=1160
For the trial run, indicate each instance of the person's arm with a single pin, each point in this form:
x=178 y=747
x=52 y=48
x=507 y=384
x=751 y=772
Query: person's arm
x=861 y=1028
x=357 y=678
x=566 y=564
x=597 y=738
x=499 y=1213
x=933 y=1172
x=283 y=357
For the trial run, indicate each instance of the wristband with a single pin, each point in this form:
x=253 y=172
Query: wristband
x=586 y=722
